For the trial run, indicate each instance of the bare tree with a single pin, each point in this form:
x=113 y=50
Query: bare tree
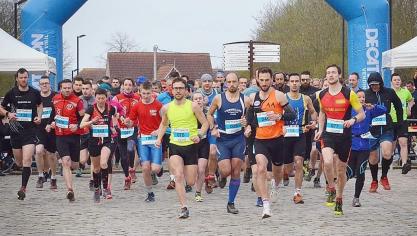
x=121 y=42
x=7 y=16
x=68 y=60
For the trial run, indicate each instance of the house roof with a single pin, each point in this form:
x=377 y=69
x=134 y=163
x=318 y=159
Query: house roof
x=134 y=64
x=93 y=73
x=164 y=71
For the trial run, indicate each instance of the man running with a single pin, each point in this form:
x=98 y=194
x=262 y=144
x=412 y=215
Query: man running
x=102 y=122
x=147 y=113
x=335 y=121
x=230 y=107
x=182 y=114
x=22 y=105
x=67 y=112
x=269 y=110
x=46 y=146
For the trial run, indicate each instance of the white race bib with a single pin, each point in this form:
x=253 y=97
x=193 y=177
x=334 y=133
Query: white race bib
x=379 y=120
x=147 y=139
x=126 y=132
x=180 y=135
x=24 y=114
x=46 y=112
x=334 y=126
x=367 y=135
x=263 y=119
x=100 y=131
x=292 y=131
x=62 y=122
x=232 y=126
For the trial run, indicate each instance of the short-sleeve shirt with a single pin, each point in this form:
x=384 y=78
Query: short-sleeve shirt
x=405 y=97
x=148 y=116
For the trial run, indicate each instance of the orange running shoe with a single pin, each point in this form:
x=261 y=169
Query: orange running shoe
x=385 y=183
x=374 y=186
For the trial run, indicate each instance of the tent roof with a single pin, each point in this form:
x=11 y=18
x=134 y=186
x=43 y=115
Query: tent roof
x=403 y=56
x=15 y=54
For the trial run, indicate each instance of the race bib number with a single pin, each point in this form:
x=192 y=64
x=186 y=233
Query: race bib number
x=181 y=135
x=62 y=122
x=24 y=115
x=334 y=126
x=147 y=139
x=379 y=120
x=100 y=131
x=292 y=131
x=126 y=132
x=232 y=126
x=263 y=119
x=367 y=135
x=46 y=112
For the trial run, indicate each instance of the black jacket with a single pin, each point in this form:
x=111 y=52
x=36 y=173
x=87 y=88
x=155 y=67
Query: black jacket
x=386 y=97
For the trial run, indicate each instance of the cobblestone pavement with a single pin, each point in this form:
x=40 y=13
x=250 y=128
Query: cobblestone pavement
x=44 y=212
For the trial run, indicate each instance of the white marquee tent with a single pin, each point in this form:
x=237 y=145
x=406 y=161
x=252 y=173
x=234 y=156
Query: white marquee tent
x=403 y=56
x=15 y=54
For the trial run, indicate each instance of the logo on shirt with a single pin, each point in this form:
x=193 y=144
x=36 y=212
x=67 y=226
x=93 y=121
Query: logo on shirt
x=153 y=112
x=340 y=101
x=70 y=107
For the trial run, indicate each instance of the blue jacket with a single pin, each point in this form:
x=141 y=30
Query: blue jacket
x=362 y=144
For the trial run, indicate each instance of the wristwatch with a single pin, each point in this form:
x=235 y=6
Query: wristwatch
x=355 y=118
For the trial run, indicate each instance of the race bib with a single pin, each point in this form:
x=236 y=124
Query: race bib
x=232 y=126
x=147 y=139
x=367 y=135
x=126 y=132
x=292 y=131
x=334 y=126
x=46 y=112
x=62 y=122
x=263 y=119
x=379 y=120
x=100 y=131
x=181 y=135
x=24 y=115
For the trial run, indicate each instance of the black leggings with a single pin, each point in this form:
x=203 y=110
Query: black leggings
x=127 y=155
x=356 y=168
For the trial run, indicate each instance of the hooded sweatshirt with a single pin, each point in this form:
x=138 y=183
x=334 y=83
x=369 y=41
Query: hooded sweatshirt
x=386 y=97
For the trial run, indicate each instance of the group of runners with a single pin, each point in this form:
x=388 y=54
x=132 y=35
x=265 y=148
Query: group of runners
x=269 y=127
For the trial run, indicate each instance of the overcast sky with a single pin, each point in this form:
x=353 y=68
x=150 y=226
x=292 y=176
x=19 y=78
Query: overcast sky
x=174 y=25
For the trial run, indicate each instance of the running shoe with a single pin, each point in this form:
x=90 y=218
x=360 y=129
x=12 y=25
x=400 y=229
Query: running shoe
x=96 y=196
x=107 y=193
x=188 y=188
x=128 y=183
x=154 y=179
x=161 y=172
x=406 y=168
x=150 y=197
x=259 y=202
x=266 y=213
x=171 y=185
x=39 y=183
x=316 y=182
x=21 y=194
x=309 y=175
x=70 y=195
x=132 y=174
x=198 y=197
x=385 y=183
x=222 y=182
x=298 y=199
x=53 y=184
x=79 y=173
x=209 y=180
x=356 y=203
x=247 y=175
x=286 y=180
x=184 y=213
x=330 y=198
x=91 y=185
x=374 y=186
x=338 y=211
x=231 y=208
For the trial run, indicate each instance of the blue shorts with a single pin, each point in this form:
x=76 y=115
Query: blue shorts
x=387 y=136
x=211 y=139
x=231 y=148
x=150 y=153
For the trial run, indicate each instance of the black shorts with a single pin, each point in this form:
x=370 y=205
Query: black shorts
x=400 y=130
x=165 y=142
x=95 y=146
x=25 y=137
x=69 y=145
x=84 y=141
x=340 y=144
x=48 y=140
x=294 y=146
x=203 y=149
x=273 y=149
x=187 y=153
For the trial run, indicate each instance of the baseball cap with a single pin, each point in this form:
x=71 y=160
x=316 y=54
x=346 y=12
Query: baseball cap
x=219 y=74
x=206 y=77
x=141 y=80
